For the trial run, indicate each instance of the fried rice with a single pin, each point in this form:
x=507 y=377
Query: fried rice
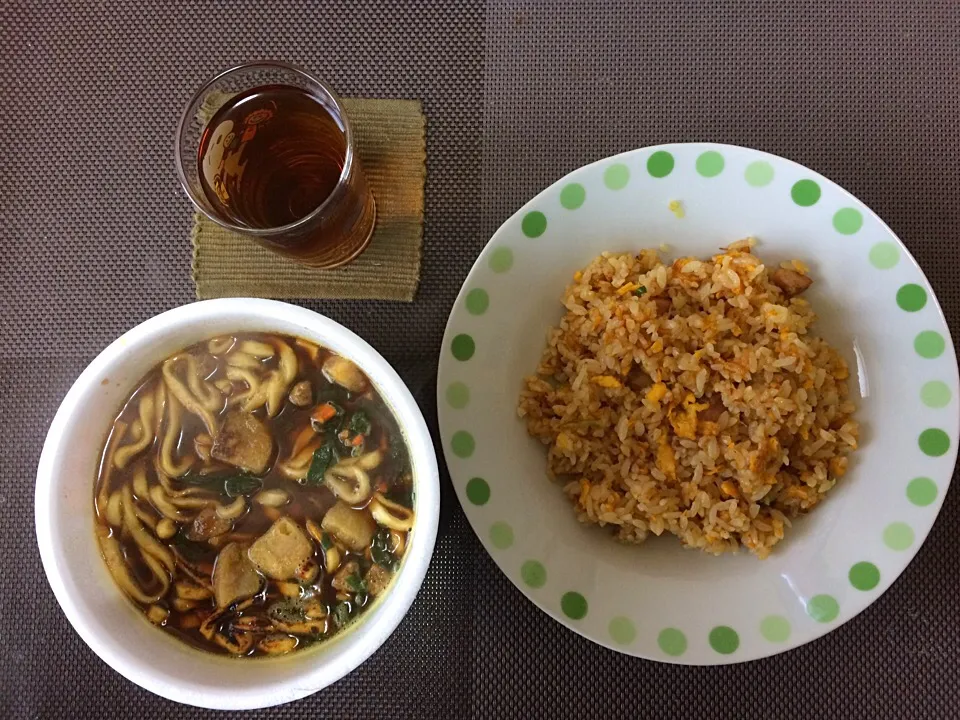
x=691 y=398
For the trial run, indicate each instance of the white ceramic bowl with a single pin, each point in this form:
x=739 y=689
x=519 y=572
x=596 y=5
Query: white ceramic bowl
x=93 y=604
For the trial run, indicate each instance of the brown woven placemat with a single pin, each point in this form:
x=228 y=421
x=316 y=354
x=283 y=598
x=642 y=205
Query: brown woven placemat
x=390 y=140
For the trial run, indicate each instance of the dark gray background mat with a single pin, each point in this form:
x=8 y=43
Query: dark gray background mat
x=94 y=239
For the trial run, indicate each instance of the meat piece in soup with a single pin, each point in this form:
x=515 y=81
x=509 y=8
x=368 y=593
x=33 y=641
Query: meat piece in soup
x=255 y=495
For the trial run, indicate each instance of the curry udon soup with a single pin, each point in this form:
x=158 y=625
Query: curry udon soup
x=255 y=495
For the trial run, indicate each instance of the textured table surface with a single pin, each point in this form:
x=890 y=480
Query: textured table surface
x=94 y=234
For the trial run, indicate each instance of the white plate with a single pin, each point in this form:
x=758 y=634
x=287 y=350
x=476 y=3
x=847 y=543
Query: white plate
x=657 y=600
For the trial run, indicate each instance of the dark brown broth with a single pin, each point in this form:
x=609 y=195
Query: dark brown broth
x=306 y=501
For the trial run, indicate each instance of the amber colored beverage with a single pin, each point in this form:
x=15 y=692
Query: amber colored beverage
x=271 y=157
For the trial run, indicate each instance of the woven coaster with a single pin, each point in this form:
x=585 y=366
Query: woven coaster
x=390 y=137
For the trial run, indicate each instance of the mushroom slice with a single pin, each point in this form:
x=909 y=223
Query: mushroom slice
x=236 y=643
x=301 y=394
x=349 y=482
x=244 y=442
x=208 y=524
x=390 y=514
x=234 y=576
x=277 y=644
x=341 y=581
x=344 y=373
x=354 y=528
x=377 y=579
x=281 y=550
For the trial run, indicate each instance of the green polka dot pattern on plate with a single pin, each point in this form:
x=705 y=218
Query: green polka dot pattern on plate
x=898 y=536
x=501 y=260
x=458 y=395
x=724 y=639
x=775 y=628
x=929 y=344
x=922 y=491
x=573 y=195
x=478 y=491
x=574 y=605
x=462 y=444
x=534 y=573
x=672 y=642
x=911 y=297
x=884 y=255
x=660 y=164
x=501 y=535
x=622 y=630
x=823 y=608
x=477 y=301
x=935 y=394
x=934 y=442
x=710 y=164
x=805 y=193
x=847 y=221
x=758 y=173
x=534 y=224
x=616 y=176
x=463 y=347
x=864 y=576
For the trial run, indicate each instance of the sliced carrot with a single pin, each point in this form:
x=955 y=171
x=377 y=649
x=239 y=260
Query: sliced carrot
x=382 y=486
x=357 y=441
x=323 y=413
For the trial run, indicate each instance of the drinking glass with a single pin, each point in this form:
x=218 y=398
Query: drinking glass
x=266 y=150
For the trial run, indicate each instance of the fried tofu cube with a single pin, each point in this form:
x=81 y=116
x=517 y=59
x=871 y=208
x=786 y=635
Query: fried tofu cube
x=244 y=442
x=281 y=550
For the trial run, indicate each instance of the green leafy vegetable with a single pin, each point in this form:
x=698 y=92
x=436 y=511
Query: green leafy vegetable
x=325 y=542
x=198 y=480
x=323 y=458
x=360 y=599
x=191 y=551
x=287 y=611
x=640 y=291
x=241 y=485
x=356 y=583
x=360 y=423
x=230 y=485
x=341 y=614
x=380 y=553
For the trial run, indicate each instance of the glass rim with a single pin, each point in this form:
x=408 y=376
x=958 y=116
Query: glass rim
x=307 y=219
